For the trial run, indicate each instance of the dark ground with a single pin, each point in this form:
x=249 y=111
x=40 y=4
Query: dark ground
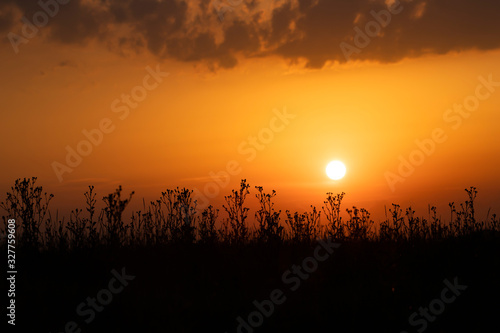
x=361 y=287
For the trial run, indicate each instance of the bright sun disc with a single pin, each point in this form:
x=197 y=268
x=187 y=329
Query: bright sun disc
x=335 y=170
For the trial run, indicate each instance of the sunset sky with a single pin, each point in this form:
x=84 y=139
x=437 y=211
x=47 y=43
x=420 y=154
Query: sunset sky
x=181 y=93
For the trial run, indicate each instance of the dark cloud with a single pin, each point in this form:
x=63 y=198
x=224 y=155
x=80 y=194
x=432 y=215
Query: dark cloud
x=192 y=31
x=76 y=23
x=6 y=17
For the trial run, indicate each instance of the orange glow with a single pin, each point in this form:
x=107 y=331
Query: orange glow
x=194 y=123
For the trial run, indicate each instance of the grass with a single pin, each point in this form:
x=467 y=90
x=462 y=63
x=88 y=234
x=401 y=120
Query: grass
x=200 y=270
x=173 y=218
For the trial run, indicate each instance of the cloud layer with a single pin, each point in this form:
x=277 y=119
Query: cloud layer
x=219 y=32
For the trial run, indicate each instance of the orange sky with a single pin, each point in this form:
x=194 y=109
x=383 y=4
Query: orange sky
x=199 y=118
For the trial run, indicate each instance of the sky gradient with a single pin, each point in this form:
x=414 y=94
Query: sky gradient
x=200 y=94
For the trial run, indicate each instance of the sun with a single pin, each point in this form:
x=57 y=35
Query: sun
x=335 y=170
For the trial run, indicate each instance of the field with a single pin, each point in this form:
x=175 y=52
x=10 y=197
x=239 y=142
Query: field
x=170 y=268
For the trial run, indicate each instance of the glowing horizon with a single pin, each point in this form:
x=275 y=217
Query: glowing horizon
x=271 y=99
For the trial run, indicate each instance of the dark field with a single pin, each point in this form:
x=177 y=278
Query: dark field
x=172 y=269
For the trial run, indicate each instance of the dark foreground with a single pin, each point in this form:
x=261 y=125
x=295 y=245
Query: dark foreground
x=359 y=287
x=171 y=268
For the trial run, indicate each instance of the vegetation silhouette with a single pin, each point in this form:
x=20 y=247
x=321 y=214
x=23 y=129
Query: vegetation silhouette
x=201 y=270
x=173 y=218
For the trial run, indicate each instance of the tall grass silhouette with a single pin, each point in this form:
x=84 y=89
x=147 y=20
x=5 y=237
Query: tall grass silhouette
x=174 y=219
x=198 y=270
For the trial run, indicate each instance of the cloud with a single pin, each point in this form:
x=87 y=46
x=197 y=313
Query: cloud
x=7 y=15
x=191 y=31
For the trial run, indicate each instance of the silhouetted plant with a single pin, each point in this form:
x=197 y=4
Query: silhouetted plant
x=135 y=228
x=359 y=224
x=312 y=224
x=83 y=231
x=238 y=213
x=206 y=229
x=224 y=232
x=90 y=200
x=172 y=224
x=470 y=212
x=413 y=224
x=304 y=227
x=332 y=213
x=76 y=227
x=28 y=203
x=394 y=229
x=494 y=223
x=437 y=229
x=173 y=219
x=187 y=216
x=56 y=235
x=455 y=221
x=270 y=229
x=114 y=226
x=465 y=221
x=142 y=230
x=462 y=224
x=180 y=216
x=159 y=228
